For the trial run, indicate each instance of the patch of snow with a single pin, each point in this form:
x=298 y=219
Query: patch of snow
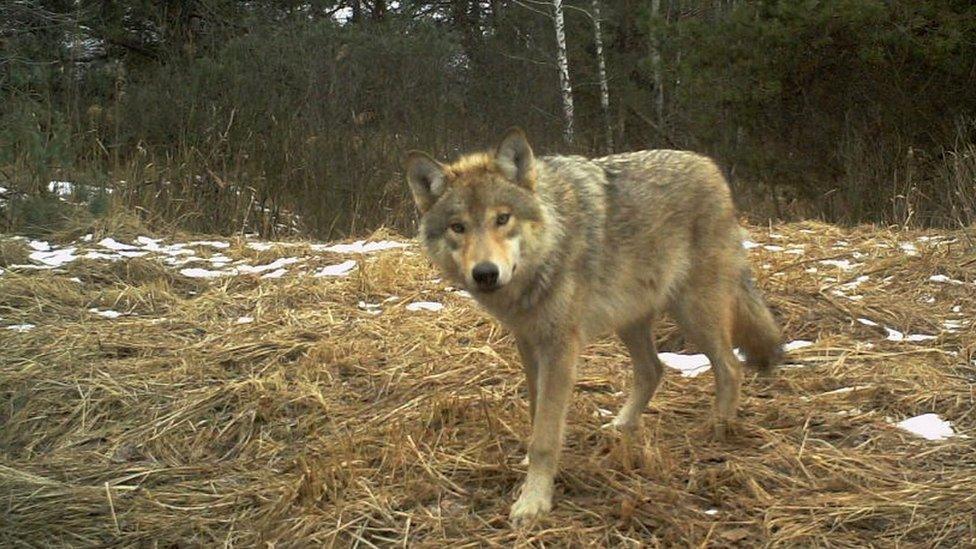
x=856 y=282
x=908 y=248
x=797 y=344
x=260 y=246
x=61 y=188
x=953 y=325
x=75 y=279
x=360 y=246
x=273 y=266
x=796 y=251
x=425 y=306
x=39 y=245
x=842 y=264
x=371 y=308
x=277 y=273
x=203 y=273
x=711 y=512
x=867 y=322
x=244 y=320
x=957 y=309
x=21 y=327
x=115 y=245
x=55 y=258
x=108 y=313
x=773 y=248
x=919 y=337
x=688 y=365
x=927 y=426
x=945 y=279
x=341 y=269
x=748 y=244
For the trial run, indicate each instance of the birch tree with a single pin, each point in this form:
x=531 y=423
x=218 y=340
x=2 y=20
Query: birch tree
x=602 y=73
x=562 y=60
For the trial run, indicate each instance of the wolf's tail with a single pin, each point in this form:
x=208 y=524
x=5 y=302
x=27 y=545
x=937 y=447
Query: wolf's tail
x=756 y=332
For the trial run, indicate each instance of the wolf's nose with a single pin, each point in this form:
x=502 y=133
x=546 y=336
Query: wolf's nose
x=486 y=275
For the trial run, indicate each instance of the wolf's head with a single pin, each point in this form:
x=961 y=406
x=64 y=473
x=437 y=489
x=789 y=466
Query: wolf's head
x=480 y=214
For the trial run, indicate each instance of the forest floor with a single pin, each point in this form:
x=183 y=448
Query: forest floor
x=201 y=391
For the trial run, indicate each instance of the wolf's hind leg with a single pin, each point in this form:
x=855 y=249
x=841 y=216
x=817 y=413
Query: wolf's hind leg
x=705 y=316
x=638 y=337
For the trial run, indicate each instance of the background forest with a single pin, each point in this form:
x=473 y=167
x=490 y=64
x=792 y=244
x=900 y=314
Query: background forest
x=280 y=116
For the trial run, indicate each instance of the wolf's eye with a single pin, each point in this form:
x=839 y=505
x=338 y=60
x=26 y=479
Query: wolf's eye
x=502 y=219
x=457 y=227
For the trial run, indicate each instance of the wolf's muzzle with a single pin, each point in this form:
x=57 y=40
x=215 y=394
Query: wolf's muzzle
x=485 y=275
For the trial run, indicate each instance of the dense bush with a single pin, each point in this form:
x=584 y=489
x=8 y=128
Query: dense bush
x=224 y=116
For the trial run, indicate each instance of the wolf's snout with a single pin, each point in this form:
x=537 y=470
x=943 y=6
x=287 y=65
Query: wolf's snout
x=485 y=274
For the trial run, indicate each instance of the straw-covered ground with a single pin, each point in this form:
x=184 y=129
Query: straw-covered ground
x=225 y=395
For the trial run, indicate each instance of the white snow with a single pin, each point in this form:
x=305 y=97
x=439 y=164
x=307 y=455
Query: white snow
x=360 y=246
x=908 y=248
x=798 y=344
x=203 y=273
x=748 y=244
x=773 y=248
x=61 y=188
x=277 y=273
x=273 y=266
x=39 y=245
x=688 y=365
x=109 y=313
x=842 y=264
x=21 y=327
x=928 y=426
x=945 y=279
x=425 y=306
x=867 y=322
x=341 y=269
x=244 y=320
x=55 y=258
x=711 y=512
x=115 y=245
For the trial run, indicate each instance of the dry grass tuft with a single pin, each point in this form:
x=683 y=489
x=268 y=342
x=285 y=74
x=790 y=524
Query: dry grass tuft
x=320 y=423
x=13 y=251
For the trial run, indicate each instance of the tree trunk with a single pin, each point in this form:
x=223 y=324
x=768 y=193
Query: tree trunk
x=602 y=71
x=656 y=64
x=562 y=60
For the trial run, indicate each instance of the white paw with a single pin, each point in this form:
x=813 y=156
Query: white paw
x=531 y=504
x=623 y=422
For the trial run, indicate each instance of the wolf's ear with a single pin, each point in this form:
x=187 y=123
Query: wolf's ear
x=426 y=178
x=515 y=159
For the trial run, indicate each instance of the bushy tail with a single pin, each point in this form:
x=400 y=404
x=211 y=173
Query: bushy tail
x=756 y=332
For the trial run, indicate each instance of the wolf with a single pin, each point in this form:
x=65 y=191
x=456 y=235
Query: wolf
x=565 y=249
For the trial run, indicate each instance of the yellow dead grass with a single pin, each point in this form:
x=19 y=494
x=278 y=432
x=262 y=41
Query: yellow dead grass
x=321 y=424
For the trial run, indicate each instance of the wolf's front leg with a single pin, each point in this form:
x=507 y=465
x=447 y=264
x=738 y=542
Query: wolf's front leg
x=555 y=377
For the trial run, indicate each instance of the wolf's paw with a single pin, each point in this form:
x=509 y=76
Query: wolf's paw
x=624 y=422
x=724 y=430
x=531 y=504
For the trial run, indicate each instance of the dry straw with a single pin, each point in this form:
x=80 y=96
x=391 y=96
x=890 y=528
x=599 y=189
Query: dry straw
x=321 y=423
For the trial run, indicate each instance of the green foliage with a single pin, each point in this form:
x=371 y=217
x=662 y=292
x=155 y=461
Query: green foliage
x=804 y=93
x=221 y=116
